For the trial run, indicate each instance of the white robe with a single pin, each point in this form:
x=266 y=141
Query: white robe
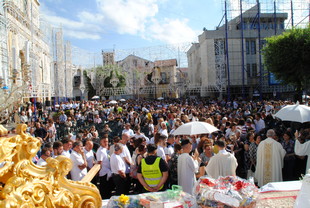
x=187 y=167
x=76 y=173
x=270 y=155
x=302 y=150
x=222 y=164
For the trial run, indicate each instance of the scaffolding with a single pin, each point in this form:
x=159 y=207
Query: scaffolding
x=3 y=45
x=253 y=78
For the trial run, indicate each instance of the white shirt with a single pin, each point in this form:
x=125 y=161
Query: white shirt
x=151 y=129
x=141 y=135
x=161 y=152
x=90 y=158
x=163 y=132
x=117 y=163
x=187 y=167
x=102 y=156
x=302 y=150
x=129 y=132
x=76 y=173
x=222 y=164
x=259 y=125
x=41 y=162
x=126 y=154
x=169 y=150
x=66 y=153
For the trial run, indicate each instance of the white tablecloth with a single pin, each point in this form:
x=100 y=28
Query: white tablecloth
x=105 y=203
x=282 y=186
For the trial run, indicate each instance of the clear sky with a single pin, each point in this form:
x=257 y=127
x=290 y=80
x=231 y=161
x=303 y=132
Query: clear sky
x=124 y=24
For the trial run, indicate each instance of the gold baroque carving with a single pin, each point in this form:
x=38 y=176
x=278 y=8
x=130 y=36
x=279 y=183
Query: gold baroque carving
x=24 y=184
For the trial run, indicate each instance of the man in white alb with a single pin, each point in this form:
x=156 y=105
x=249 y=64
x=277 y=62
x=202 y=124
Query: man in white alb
x=270 y=155
x=223 y=163
x=187 y=167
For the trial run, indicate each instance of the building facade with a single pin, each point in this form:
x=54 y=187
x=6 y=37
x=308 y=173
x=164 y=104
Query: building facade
x=135 y=69
x=228 y=60
x=23 y=50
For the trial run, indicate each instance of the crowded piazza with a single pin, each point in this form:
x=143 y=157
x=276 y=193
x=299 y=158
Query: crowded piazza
x=125 y=136
x=154 y=104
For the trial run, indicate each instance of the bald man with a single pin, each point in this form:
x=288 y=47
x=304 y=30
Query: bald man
x=270 y=155
x=89 y=154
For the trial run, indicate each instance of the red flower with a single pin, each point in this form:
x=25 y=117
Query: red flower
x=207 y=182
x=240 y=184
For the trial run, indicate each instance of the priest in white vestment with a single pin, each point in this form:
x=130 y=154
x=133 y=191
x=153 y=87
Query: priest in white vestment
x=270 y=155
x=187 y=167
x=302 y=149
x=222 y=164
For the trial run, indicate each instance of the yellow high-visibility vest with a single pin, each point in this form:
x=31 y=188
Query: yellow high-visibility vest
x=151 y=173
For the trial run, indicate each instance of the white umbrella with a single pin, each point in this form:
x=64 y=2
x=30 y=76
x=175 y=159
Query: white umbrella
x=195 y=127
x=95 y=97
x=113 y=102
x=160 y=98
x=297 y=113
x=122 y=100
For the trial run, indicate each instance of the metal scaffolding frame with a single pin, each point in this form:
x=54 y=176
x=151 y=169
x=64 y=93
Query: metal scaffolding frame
x=3 y=44
x=298 y=16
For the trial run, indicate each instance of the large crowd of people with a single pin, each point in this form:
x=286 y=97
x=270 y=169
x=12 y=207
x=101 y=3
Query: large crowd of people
x=134 y=142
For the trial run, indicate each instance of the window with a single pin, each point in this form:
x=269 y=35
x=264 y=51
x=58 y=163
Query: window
x=254 y=70
x=163 y=77
x=253 y=47
x=251 y=70
x=282 y=25
x=248 y=70
x=247 y=47
x=77 y=81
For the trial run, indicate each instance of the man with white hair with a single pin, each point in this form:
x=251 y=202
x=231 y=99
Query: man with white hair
x=270 y=155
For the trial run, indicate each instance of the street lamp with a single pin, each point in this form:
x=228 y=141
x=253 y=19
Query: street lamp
x=114 y=82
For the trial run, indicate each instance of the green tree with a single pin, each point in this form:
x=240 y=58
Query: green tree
x=101 y=80
x=288 y=57
x=121 y=79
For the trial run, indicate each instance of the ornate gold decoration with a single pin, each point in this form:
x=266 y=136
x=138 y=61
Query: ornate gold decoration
x=3 y=131
x=268 y=163
x=24 y=184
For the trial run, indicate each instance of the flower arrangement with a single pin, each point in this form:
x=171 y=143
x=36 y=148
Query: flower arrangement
x=225 y=192
x=123 y=200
